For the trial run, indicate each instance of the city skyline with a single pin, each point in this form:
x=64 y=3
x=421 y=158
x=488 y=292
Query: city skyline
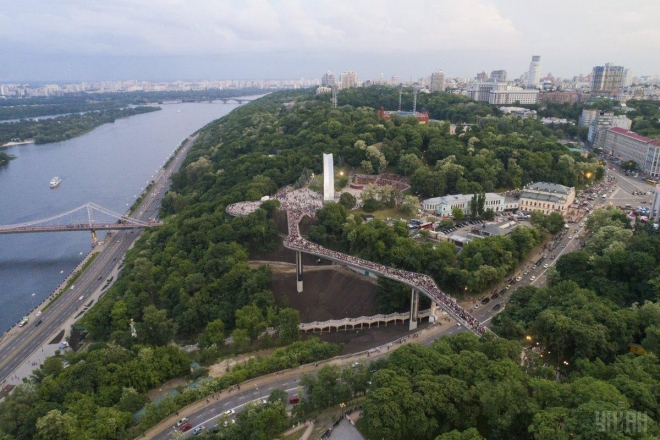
x=83 y=41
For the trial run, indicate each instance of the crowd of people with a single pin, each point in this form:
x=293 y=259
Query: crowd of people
x=301 y=202
x=242 y=208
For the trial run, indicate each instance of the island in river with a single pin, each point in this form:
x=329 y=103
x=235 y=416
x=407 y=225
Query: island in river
x=65 y=127
x=5 y=158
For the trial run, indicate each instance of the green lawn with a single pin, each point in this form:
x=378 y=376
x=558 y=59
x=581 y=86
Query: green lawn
x=384 y=213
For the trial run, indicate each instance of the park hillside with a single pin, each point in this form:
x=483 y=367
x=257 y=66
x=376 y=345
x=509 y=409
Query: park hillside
x=189 y=281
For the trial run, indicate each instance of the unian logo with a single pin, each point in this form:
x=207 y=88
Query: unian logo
x=624 y=420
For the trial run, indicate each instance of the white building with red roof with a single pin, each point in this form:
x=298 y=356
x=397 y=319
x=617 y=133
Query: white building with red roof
x=627 y=145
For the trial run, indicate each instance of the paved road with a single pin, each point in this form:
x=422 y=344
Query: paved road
x=214 y=412
x=20 y=343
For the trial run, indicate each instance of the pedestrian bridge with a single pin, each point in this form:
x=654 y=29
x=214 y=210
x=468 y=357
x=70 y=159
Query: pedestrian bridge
x=418 y=282
x=344 y=324
x=88 y=217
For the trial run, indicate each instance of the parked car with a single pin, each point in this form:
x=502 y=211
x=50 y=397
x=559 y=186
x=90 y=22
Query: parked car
x=185 y=427
x=198 y=430
x=532 y=278
x=183 y=421
x=485 y=301
x=294 y=399
x=495 y=295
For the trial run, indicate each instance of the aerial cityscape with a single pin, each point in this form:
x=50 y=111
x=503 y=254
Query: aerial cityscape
x=286 y=220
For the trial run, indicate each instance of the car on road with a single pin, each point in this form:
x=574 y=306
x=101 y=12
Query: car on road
x=497 y=307
x=99 y=278
x=72 y=287
x=229 y=412
x=183 y=421
x=532 y=278
x=485 y=301
x=198 y=430
x=185 y=427
x=81 y=297
x=36 y=324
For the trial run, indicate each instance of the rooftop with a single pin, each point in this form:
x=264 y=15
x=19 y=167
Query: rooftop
x=549 y=188
x=543 y=197
x=630 y=134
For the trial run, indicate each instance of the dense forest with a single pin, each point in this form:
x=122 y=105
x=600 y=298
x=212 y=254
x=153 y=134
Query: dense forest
x=645 y=117
x=66 y=127
x=481 y=264
x=86 y=102
x=189 y=280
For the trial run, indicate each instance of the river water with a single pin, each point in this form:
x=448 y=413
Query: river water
x=109 y=166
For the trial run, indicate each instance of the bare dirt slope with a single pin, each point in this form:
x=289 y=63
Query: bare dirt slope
x=330 y=292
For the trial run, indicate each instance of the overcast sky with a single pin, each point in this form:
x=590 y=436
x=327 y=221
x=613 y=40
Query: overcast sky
x=61 y=40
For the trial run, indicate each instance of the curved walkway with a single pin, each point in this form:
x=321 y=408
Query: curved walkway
x=300 y=203
x=345 y=323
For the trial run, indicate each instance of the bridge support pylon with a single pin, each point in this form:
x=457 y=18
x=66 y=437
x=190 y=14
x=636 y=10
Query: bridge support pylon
x=299 y=271
x=414 y=309
x=434 y=308
x=95 y=241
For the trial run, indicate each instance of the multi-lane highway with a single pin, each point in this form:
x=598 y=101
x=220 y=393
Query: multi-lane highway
x=19 y=344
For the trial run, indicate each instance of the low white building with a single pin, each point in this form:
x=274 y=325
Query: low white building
x=444 y=205
x=546 y=198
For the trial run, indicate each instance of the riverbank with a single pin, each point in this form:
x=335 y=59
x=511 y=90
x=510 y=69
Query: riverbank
x=13 y=144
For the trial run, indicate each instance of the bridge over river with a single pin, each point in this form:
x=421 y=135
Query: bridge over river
x=88 y=217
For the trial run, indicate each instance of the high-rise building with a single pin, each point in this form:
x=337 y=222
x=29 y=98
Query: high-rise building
x=328 y=79
x=438 y=81
x=534 y=72
x=498 y=75
x=601 y=123
x=627 y=77
x=328 y=178
x=348 y=79
x=607 y=78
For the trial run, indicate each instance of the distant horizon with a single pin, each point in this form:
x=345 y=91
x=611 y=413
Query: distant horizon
x=93 y=41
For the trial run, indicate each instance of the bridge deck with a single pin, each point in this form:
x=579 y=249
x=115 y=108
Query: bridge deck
x=74 y=228
x=422 y=283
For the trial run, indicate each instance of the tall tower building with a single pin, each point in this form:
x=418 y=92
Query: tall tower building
x=534 y=72
x=328 y=79
x=627 y=77
x=438 y=81
x=328 y=178
x=607 y=78
x=348 y=79
x=498 y=75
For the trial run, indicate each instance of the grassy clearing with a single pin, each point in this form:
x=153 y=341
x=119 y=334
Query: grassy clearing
x=384 y=213
x=73 y=280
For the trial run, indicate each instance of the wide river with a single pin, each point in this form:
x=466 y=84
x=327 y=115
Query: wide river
x=109 y=166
